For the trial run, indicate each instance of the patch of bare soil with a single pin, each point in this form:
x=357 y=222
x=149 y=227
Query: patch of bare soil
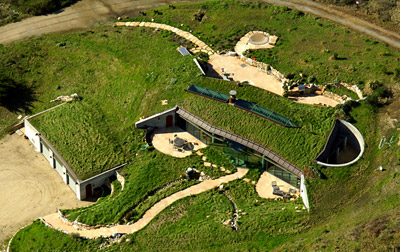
x=29 y=187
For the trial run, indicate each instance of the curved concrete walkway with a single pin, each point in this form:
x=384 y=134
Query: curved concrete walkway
x=201 y=46
x=55 y=222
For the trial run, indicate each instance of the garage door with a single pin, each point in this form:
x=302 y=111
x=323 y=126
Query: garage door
x=45 y=151
x=58 y=166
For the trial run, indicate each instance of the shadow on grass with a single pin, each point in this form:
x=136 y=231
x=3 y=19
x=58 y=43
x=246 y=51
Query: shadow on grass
x=16 y=96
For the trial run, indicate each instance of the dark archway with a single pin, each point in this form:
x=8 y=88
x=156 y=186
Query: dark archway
x=169 y=121
x=88 y=190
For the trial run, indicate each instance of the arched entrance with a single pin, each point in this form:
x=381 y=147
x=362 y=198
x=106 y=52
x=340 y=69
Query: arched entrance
x=169 y=121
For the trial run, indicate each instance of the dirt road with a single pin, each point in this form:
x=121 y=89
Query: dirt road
x=83 y=14
x=379 y=33
x=29 y=187
x=89 y=12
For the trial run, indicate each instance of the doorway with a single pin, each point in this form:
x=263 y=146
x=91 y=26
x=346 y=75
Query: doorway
x=169 y=121
x=88 y=190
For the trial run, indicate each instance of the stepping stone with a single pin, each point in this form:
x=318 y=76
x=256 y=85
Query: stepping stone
x=199 y=153
x=204 y=158
x=253 y=182
x=222 y=169
x=207 y=164
x=228 y=172
x=246 y=180
x=175 y=29
x=141 y=24
x=214 y=165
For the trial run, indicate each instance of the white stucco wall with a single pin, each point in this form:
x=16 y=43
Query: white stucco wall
x=158 y=120
x=360 y=140
x=95 y=181
x=31 y=133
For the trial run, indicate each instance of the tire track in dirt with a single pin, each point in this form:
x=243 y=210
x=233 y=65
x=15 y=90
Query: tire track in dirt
x=89 y=12
x=377 y=32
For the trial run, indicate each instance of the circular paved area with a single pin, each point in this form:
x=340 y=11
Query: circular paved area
x=29 y=187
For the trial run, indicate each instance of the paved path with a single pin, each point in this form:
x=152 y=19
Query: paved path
x=29 y=187
x=86 y=13
x=55 y=222
x=201 y=46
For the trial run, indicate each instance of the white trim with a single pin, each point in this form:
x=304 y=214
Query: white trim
x=360 y=140
x=155 y=116
x=303 y=192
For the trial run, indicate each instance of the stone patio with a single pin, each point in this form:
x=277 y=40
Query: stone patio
x=264 y=186
x=162 y=137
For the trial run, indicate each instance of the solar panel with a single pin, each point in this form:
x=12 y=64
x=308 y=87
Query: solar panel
x=209 y=93
x=183 y=51
x=263 y=112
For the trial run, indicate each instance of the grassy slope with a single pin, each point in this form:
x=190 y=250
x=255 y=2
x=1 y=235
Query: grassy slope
x=102 y=127
x=195 y=223
x=148 y=172
x=305 y=42
x=299 y=146
x=344 y=207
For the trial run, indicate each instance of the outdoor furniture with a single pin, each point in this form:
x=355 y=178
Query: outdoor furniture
x=179 y=142
x=170 y=141
x=282 y=193
x=275 y=187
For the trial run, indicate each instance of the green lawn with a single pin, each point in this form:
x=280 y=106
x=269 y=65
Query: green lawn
x=195 y=223
x=122 y=74
x=149 y=171
x=117 y=88
x=306 y=43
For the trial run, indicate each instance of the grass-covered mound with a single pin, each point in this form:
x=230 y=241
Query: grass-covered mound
x=148 y=173
x=130 y=78
x=354 y=209
x=193 y=223
x=298 y=145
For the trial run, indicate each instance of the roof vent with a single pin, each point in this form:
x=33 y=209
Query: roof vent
x=232 y=97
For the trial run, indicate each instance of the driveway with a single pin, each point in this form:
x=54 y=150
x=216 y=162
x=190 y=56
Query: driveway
x=86 y=13
x=81 y=15
x=29 y=187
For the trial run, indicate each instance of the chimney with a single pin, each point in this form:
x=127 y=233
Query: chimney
x=232 y=97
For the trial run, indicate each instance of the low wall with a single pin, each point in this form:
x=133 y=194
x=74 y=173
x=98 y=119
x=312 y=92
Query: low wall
x=157 y=120
x=33 y=134
x=342 y=127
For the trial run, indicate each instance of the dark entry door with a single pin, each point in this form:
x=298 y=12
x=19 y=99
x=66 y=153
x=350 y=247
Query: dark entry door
x=88 y=190
x=170 y=121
